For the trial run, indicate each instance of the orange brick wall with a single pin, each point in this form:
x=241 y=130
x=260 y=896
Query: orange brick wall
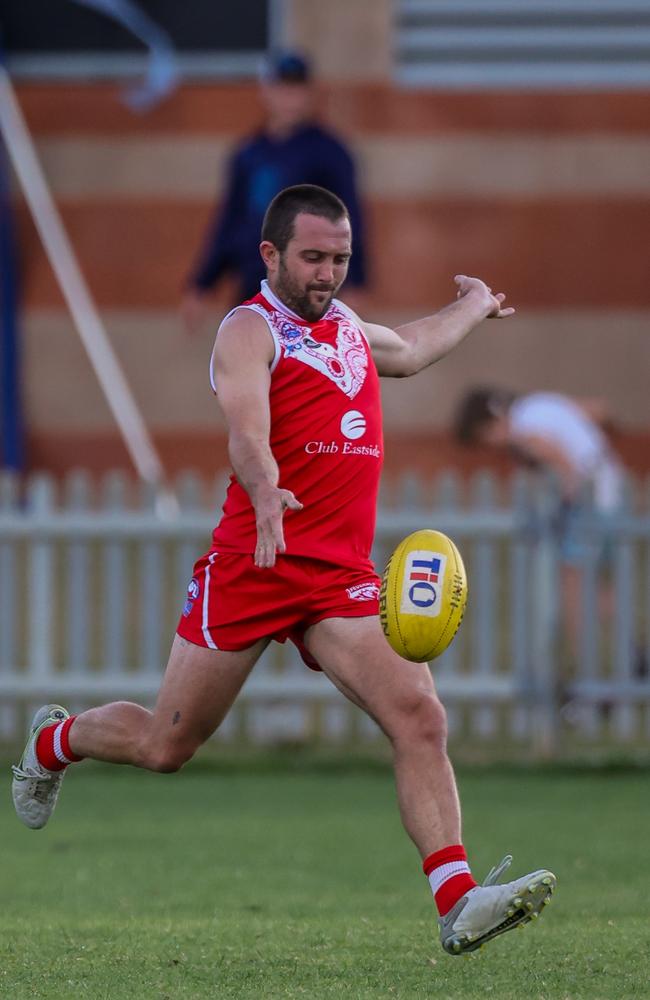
x=546 y=195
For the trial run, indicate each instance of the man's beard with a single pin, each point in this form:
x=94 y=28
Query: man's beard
x=297 y=299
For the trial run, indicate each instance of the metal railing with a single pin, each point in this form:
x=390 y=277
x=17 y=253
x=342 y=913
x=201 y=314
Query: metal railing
x=92 y=582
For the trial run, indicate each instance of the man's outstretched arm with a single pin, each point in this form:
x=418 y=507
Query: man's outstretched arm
x=241 y=372
x=410 y=348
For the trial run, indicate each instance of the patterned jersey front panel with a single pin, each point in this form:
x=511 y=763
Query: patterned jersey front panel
x=326 y=436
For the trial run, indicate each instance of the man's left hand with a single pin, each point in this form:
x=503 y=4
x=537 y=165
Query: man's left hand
x=493 y=304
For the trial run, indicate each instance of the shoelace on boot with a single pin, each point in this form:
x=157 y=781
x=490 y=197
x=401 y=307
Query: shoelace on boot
x=42 y=784
x=495 y=873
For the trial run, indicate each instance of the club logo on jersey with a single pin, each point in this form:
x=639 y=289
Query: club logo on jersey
x=292 y=339
x=364 y=591
x=193 y=589
x=353 y=424
x=345 y=364
x=424 y=575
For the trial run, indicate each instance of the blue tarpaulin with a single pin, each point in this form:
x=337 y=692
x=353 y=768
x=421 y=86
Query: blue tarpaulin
x=12 y=451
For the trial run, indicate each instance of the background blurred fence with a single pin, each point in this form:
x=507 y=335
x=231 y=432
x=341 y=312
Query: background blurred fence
x=92 y=582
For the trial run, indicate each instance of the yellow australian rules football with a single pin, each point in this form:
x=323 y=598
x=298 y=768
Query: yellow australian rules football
x=423 y=595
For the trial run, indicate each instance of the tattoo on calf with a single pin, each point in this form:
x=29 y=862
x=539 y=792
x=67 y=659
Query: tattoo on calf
x=176 y=719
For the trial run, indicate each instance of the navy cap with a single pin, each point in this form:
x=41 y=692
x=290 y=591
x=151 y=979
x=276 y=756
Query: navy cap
x=287 y=67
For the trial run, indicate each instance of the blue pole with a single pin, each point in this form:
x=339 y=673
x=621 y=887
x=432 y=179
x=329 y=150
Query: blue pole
x=12 y=449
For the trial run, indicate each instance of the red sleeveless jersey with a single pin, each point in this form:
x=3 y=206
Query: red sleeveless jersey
x=326 y=436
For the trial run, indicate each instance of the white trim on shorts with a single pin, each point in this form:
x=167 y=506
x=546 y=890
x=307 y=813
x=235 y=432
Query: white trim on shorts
x=209 y=641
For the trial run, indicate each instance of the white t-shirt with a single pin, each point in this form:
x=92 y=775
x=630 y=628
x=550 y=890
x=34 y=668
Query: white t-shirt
x=561 y=421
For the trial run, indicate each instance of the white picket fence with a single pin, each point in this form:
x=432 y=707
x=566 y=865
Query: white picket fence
x=92 y=582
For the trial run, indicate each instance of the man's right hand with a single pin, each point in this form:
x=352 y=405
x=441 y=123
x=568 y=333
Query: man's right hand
x=270 y=504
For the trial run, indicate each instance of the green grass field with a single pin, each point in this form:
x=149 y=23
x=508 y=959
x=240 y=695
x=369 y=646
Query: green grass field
x=296 y=880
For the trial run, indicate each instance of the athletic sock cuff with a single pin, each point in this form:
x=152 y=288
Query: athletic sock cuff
x=64 y=740
x=443 y=857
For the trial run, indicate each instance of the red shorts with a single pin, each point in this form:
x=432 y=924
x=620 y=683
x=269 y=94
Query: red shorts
x=231 y=603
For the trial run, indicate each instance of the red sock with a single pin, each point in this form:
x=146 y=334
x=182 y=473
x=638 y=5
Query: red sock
x=53 y=746
x=449 y=876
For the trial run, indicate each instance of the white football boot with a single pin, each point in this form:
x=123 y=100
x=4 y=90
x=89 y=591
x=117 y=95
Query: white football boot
x=34 y=788
x=491 y=909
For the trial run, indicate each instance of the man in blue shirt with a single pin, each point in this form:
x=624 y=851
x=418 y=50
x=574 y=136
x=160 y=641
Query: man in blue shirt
x=291 y=148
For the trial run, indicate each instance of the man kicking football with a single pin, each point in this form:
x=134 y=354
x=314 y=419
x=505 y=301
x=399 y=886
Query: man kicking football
x=296 y=374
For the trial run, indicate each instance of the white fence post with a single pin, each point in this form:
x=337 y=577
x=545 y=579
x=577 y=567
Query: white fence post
x=78 y=582
x=116 y=585
x=484 y=614
x=545 y=599
x=40 y=590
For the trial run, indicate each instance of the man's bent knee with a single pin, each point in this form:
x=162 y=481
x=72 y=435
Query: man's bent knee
x=166 y=759
x=420 y=718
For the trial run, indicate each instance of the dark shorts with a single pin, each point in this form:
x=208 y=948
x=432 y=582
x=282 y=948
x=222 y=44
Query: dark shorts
x=231 y=604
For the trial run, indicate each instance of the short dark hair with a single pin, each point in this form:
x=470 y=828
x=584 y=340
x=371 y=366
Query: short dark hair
x=309 y=199
x=478 y=408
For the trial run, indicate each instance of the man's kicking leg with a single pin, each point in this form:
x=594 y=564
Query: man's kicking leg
x=400 y=696
x=198 y=688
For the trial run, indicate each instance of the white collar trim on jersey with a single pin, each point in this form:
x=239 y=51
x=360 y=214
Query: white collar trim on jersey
x=278 y=303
